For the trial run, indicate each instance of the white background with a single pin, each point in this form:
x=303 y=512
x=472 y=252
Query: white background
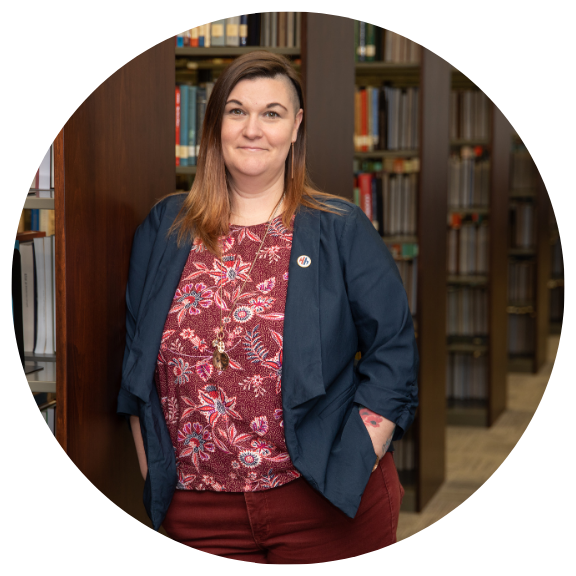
x=54 y=54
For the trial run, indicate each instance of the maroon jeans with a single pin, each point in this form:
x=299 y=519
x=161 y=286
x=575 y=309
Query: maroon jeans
x=290 y=524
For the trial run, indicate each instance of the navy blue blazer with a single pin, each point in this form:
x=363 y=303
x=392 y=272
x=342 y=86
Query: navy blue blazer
x=349 y=299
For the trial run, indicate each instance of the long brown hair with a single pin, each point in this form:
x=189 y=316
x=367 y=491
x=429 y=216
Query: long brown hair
x=205 y=212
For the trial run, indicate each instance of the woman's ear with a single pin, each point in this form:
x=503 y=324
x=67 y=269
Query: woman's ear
x=297 y=122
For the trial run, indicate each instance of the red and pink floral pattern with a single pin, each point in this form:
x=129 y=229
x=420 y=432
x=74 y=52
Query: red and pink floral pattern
x=226 y=426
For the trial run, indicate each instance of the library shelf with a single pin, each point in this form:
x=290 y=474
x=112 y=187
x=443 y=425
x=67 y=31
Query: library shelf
x=467 y=347
x=108 y=174
x=529 y=246
x=386 y=154
x=520 y=194
x=224 y=51
x=472 y=280
x=185 y=169
x=480 y=211
x=33 y=202
x=400 y=239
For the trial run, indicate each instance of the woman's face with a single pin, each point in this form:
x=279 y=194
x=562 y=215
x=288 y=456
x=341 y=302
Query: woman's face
x=258 y=127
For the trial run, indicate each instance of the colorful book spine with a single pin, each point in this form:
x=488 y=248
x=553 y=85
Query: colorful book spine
x=370 y=42
x=177 y=94
x=365 y=185
x=243 y=33
x=192 y=91
x=184 y=134
x=232 y=31
x=218 y=33
x=194 y=34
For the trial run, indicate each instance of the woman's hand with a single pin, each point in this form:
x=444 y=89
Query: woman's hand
x=380 y=429
x=137 y=433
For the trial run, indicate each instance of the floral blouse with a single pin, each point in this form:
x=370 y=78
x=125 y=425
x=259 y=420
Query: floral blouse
x=226 y=426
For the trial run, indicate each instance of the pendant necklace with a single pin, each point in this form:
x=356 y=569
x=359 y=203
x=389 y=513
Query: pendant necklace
x=220 y=359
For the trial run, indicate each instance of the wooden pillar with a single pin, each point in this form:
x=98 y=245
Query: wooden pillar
x=498 y=264
x=432 y=210
x=114 y=158
x=329 y=76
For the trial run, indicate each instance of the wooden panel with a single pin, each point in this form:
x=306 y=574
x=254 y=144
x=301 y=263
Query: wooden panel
x=543 y=272
x=498 y=264
x=432 y=210
x=118 y=158
x=328 y=50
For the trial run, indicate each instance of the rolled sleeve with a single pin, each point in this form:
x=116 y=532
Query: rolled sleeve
x=388 y=370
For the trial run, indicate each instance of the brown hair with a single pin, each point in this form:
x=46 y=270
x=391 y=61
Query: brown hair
x=205 y=211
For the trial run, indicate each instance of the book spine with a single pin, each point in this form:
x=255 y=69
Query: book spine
x=207 y=35
x=273 y=29
x=243 y=33
x=180 y=40
x=201 y=36
x=370 y=43
x=254 y=29
x=363 y=120
x=184 y=125
x=218 y=37
x=361 y=52
x=233 y=31
x=298 y=40
x=194 y=37
x=290 y=26
x=177 y=125
x=365 y=185
x=192 y=125
x=282 y=25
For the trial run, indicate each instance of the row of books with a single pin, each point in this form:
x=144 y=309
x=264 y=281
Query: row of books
x=522 y=225
x=521 y=334
x=48 y=411
x=389 y=200
x=468 y=248
x=409 y=273
x=521 y=279
x=37 y=219
x=523 y=171
x=466 y=380
x=468 y=178
x=469 y=115
x=466 y=312
x=42 y=185
x=405 y=459
x=374 y=44
x=385 y=118
x=34 y=292
x=190 y=104
x=267 y=29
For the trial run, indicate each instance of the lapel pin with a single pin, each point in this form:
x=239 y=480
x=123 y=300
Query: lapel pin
x=304 y=261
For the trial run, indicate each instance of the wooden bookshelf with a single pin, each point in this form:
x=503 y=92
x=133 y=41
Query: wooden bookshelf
x=231 y=51
x=108 y=173
x=431 y=76
x=494 y=283
x=530 y=193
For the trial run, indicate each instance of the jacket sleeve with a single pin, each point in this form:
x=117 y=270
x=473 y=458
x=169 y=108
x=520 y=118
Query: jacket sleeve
x=142 y=245
x=388 y=370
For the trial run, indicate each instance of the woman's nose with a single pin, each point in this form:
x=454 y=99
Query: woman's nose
x=252 y=127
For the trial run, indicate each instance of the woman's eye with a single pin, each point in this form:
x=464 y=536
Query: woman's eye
x=274 y=114
x=235 y=111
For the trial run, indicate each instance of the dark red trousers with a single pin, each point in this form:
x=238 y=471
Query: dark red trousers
x=291 y=524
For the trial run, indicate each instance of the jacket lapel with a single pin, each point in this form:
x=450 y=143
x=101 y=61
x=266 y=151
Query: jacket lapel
x=302 y=367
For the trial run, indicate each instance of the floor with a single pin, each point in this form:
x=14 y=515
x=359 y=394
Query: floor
x=474 y=454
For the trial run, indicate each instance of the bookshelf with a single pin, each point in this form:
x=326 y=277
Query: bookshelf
x=556 y=282
x=108 y=173
x=530 y=260
x=420 y=253
x=477 y=229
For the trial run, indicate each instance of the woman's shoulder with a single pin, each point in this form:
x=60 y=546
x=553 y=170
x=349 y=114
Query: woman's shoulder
x=168 y=206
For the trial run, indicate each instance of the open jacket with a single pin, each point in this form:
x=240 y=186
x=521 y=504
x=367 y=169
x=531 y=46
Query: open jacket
x=350 y=298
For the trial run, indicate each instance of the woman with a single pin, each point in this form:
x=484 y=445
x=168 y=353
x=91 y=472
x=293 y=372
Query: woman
x=247 y=301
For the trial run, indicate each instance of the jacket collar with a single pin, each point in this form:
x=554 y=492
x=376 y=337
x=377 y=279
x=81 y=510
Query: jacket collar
x=302 y=365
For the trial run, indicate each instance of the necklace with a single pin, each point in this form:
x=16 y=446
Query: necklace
x=220 y=359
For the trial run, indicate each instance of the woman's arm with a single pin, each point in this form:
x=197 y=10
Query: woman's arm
x=380 y=429
x=137 y=433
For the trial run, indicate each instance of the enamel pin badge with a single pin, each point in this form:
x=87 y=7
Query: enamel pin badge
x=304 y=261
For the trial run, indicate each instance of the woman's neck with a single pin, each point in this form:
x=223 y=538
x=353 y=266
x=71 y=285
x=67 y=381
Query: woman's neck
x=250 y=206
